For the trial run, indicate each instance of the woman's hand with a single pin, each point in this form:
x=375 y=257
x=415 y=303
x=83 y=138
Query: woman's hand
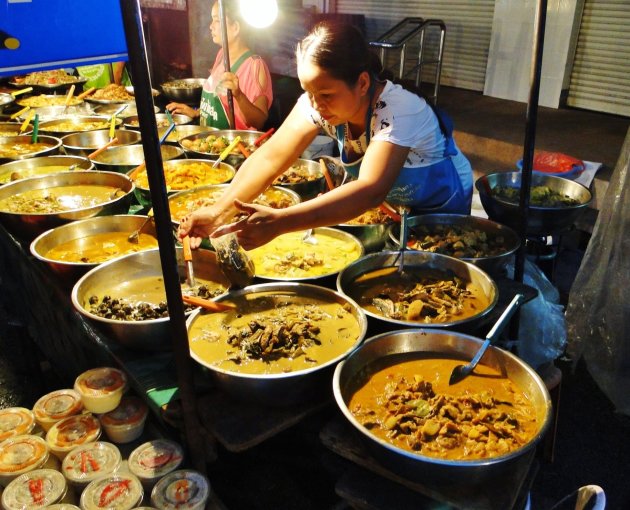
x=198 y=225
x=182 y=109
x=259 y=227
x=229 y=81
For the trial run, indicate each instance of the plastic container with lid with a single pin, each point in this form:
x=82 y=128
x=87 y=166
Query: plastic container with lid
x=125 y=423
x=15 y=421
x=56 y=406
x=71 y=432
x=114 y=492
x=101 y=388
x=36 y=489
x=184 y=489
x=21 y=454
x=152 y=460
x=90 y=461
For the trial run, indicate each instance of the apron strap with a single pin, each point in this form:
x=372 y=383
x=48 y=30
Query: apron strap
x=234 y=67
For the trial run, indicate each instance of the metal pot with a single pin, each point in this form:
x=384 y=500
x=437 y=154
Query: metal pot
x=86 y=142
x=372 y=236
x=541 y=220
x=310 y=188
x=399 y=346
x=422 y=260
x=53 y=144
x=493 y=265
x=133 y=269
x=110 y=109
x=82 y=123
x=183 y=131
x=13 y=129
x=187 y=90
x=235 y=158
x=162 y=120
x=29 y=226
x=32 y=167
x=70 y=272
x=47 y=113
x=288 y=387
x=126 y=158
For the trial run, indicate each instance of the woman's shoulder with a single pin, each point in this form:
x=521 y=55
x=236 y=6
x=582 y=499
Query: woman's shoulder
x=396 y=97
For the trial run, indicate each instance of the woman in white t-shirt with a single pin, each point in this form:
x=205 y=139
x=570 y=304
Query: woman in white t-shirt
x=393 y=143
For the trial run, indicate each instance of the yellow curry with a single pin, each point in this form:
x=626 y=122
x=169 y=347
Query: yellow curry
x=97 y=248
x=188 y=174
x=58 y=199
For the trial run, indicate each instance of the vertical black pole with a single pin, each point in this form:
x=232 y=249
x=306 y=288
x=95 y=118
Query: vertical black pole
x=150 y=142
x=226 y=61
x=530 y=134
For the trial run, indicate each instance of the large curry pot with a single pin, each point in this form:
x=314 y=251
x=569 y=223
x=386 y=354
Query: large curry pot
x=399 y=346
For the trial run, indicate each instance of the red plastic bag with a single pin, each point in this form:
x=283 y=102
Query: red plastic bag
x=555 y=162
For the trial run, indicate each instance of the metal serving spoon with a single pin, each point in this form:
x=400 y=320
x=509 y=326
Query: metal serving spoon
x=462 y=371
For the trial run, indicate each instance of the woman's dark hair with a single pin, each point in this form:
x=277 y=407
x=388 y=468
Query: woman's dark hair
x=233 y=14
x=341 y=50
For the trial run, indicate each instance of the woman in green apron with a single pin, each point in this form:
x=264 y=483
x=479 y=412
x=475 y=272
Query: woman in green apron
x=248 y=79
x=391 y=141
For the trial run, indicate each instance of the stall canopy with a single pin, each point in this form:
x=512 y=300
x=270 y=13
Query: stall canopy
x=38 y=35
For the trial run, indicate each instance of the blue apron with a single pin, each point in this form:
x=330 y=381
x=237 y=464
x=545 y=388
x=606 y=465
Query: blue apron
x=436 y=188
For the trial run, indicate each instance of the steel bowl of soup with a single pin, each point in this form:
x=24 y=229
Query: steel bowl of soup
x=394 y=391
x=31 y=206
x=126 y=298
x=210 y=144
x=304 y=177
x=86 y=142
x=431 y=290
x=22 y=147
x=13 y=129
x=45 y=165
x=127 y=157
x=280 y=343
x=72 y=250
x=76 y=123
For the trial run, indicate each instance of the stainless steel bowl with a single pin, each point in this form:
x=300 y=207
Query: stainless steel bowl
x=25 y=168
x=70 y=272
x=86 y=142
x=127 y=274
x=182 y=131
x=235 y=158
x=215 y=190
x=372 y=236
x=46 y=100
x=5 y=100
x=423 y=260
x=187 y=90
x=110 y=109
x=29 y=226
x=13 y=129
x=541 y=220
x=133 y=122
x=83 y=122
x=493 y=265
x=143 y=193
x=125 y=158
x=53 y=146
x=47 y=113
x=289 y=387
x=307 y=189
x=398 y=346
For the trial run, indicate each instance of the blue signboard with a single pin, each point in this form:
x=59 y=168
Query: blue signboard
x=36 y=35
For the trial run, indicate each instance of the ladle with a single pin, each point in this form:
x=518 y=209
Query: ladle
x=226 y=151
x=134 y=237
x=404 y=231
x=462 y=371
x=134 y=173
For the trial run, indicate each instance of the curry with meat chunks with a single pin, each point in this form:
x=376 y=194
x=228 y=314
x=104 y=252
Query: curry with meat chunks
x=411 y=405
x=418 y=295
x=59 y=199
x=274 y=333
x=97 y=248
x=373 y=216
x=456 y=241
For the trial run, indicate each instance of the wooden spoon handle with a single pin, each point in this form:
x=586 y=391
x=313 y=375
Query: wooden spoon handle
x=324 y=170
x=86 y=93
x=134 y=173
x=213 y=306
x=113 y=141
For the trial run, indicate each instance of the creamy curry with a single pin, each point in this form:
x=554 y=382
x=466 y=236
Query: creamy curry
x=187 y=175
x=14 y=150
x=411 y=405
x=24 y=173
x=97 y=248
x=69 y=126
x=273 y=333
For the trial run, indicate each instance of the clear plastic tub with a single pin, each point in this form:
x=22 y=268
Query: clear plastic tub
x=15 y=421
x=21 y=454
x=101 y=389
x=56 y=406
x=152 y=460
x=36 y=489
x=116 y=492
x=181 y=490
x=125 y=423
x=71 y=432
x=90 y=461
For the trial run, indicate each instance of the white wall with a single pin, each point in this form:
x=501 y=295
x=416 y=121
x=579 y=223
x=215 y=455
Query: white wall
x=511 y=49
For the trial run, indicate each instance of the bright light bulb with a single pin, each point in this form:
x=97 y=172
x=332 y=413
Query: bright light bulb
x=259 y=13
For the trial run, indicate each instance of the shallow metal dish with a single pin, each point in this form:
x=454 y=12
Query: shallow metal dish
x=186 y=90
x=32 y=167
x=29 y=226
x=53 y=143
x=13 y=129
x=70 y=272
x=86 y=142
x=125 y=158
x=182 y=131
x=290 y=387
x=420 y=260
x=311 y=188
x=5 y=100
x=151 y=335
x=493 y=265
x=110 y=109
x=373 y=236
x=399 y=346
x=52 y=126
x=50 y=87
x=235 y=158
x=48 y=99
x=162 y=120
x=541 y=220
x=47 y=113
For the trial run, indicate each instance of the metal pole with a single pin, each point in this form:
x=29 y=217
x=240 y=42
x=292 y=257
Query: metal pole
x=226 y=61
x=132 y=22
x=530 y=134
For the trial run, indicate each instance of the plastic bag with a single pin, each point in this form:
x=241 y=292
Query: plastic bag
x=554 y=162
x=233 y=261
x=598 y=313
x=542 y=328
